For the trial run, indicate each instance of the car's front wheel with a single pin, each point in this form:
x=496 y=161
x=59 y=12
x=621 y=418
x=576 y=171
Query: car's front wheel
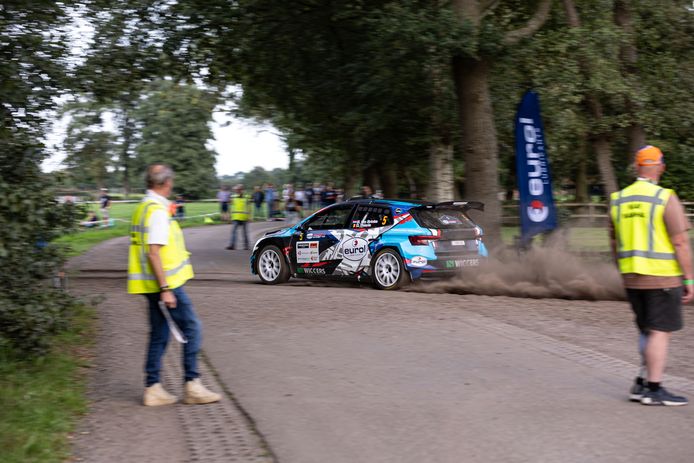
x=272 y=267
x=387 y=270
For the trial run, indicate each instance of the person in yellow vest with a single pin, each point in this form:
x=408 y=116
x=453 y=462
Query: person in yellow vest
x=240 y=213
x=650 y=241
x=158 y=268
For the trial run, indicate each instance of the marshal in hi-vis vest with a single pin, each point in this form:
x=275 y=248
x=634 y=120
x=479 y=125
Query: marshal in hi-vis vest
x=239 y=208
x=174 y=256
x=643 y=244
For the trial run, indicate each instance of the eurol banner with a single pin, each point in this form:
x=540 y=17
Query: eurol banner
x=537 y=211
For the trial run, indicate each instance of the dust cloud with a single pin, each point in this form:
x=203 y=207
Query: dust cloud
x=541 y=272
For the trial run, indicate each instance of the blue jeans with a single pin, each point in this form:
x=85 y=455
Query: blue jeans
x=237 y=224
x=187 y=321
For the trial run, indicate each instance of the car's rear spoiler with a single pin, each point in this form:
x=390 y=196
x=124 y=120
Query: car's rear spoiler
x=464 y=205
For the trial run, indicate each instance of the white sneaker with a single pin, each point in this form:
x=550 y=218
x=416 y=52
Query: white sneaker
x=156 y=395
x=196 y=393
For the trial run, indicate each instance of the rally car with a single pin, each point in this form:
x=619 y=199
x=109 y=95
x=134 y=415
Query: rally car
x=386 y=242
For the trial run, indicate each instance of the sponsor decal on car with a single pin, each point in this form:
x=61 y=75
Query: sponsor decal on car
x=355 y=249
x=307 y=251
x=311 y=271
x=458 y=263
x=418 y=261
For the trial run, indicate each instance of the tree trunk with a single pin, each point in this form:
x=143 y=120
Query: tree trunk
x=582 y=182
x=480 y=147
x=628 y=55
x=441 y=185
x=128 y=133
x=388 y=179
x=602 y=148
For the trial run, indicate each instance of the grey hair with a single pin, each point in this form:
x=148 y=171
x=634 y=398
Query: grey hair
x=157 y=174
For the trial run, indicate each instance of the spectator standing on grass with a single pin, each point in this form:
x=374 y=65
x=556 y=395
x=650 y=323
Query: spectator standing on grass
x=158 y=268
x=269 y=199
x=104 y=205
x=258 y=198
x=308 y=194
x=240 y=213
x=223 y=196
x=650 y=242
x=293 y=208
x=180 y=205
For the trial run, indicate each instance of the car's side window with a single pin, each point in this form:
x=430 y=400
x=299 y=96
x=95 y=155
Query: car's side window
x=369 y=216
x=335 y=217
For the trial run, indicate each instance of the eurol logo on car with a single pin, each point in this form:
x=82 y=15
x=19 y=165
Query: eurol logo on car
x=388 y=243
x=356 y=250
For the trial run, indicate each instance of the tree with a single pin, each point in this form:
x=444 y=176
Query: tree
x=472 y=76
x=173 y=122
x=33 y=49
x=91 y=150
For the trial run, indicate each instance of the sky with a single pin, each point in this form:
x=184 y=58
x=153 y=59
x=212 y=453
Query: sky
x=240 y=146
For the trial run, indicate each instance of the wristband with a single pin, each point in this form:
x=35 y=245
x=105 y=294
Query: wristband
x=688 y=282
x=164 y=288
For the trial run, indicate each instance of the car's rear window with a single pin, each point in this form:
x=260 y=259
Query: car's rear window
x=442 y=218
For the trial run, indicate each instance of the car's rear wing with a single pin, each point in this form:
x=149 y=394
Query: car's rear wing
x=464 y=205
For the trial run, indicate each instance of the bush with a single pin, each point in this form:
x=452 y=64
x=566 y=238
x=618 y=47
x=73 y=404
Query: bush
x=30 y=309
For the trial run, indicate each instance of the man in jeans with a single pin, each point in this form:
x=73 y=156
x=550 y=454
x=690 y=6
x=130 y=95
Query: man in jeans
x=650 y=242
x=240 y=213
x=158 y=268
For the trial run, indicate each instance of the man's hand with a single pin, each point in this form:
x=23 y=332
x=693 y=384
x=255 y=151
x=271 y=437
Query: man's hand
x=169 y=298
x=688 y=295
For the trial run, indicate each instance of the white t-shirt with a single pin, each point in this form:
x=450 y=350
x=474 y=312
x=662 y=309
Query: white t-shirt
x=159 y=223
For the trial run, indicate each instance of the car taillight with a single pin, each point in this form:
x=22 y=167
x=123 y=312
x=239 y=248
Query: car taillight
x=422 y=240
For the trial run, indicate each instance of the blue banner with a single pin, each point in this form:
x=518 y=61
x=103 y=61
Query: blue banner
x=537 y=211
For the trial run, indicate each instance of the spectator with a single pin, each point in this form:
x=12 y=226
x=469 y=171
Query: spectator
x=104 y=204
x=270 y=200
x=223 y=196
x=293 y=209
x=308 y=194
x=180 y=212
x=329 y=195
x=258 y=198
x=91 y=221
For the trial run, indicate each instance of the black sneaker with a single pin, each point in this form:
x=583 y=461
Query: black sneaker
x=663 y=397
x=636 y=392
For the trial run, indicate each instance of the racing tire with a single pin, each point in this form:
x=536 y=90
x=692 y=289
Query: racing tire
x=388 y=271
x=271 y=266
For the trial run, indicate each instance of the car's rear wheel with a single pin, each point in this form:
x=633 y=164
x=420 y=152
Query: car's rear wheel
x=387 y=270
x=272 y=267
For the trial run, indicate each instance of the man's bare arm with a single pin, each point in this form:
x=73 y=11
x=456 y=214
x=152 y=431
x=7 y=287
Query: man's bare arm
x=683 y=252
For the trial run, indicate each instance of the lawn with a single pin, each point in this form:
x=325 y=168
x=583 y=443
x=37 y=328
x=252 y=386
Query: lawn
x=83 y=240
x=41 y=399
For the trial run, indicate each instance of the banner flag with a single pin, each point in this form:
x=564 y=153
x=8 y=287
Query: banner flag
x=537 y=211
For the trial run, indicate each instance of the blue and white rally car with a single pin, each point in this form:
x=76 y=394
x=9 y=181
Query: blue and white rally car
x=386 y=242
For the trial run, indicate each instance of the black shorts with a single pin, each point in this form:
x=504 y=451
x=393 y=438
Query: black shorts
x=225 y=207
x=657 y=309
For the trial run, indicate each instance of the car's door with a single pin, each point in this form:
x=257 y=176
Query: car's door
x=315 y=245
x=368 y=222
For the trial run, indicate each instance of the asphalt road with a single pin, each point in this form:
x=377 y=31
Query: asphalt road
x=345 y=373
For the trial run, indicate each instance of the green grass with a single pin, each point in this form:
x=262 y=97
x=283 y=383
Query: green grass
x=83 y=240
x=41 y=399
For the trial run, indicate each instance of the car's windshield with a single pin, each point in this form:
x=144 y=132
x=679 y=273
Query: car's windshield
x=442 y=218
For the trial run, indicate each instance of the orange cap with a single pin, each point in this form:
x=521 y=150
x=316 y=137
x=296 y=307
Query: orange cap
x=649 y=156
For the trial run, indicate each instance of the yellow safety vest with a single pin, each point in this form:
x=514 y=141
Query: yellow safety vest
x=174 y=256
x=239 y=208
x=643 y=244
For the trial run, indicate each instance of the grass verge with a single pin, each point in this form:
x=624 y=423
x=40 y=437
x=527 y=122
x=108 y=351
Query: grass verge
x=41 y=399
